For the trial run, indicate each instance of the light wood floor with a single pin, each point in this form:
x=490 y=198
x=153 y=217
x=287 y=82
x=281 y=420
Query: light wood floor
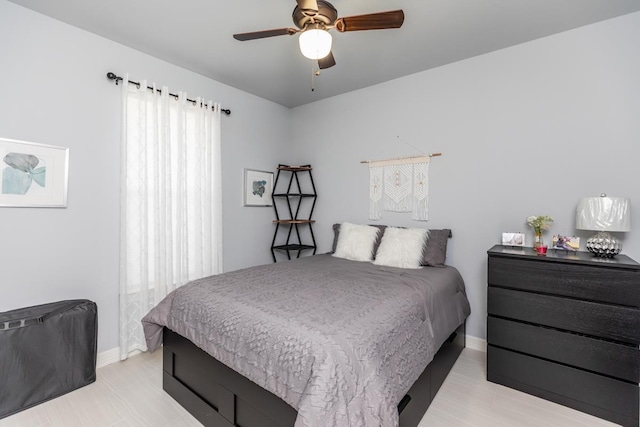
x=129 y=394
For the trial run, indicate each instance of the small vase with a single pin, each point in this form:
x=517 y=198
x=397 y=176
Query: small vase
x=537 y=241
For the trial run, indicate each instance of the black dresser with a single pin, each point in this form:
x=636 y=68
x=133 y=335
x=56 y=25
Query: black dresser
x=566 y=327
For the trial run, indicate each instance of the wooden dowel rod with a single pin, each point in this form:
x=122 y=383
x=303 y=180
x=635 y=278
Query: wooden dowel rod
x=403 y=158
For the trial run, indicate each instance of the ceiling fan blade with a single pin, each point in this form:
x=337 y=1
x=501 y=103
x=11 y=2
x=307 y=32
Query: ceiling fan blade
x=372 y=21
x=308 y=6
x=264 y=34
x=327 y=62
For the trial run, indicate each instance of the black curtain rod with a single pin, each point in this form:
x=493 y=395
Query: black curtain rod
x=112 y=76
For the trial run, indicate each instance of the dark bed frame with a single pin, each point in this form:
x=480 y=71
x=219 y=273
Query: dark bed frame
x=217 y=396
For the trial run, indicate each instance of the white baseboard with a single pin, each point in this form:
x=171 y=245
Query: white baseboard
x=108 y=357
x=111 y=356
x=476 y=343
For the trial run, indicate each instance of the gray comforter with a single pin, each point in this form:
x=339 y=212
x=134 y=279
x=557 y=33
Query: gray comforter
x=340 y=341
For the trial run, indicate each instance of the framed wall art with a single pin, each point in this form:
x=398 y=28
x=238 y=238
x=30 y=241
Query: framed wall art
x=258 y=187
x=33 y=175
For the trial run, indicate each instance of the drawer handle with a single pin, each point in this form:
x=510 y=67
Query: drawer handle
x=403 y=403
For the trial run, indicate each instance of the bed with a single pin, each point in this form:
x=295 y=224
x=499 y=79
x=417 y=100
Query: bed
x=317 y=341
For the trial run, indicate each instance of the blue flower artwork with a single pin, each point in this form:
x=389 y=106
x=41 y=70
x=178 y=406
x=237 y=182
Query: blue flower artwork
x=21 y=172
x=259 y=188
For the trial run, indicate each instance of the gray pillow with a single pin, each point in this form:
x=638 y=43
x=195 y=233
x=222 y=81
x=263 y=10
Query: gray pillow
x=435 y=252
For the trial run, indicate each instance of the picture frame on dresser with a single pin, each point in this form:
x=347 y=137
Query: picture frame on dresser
x=565 y=243
x=513 y=239
x=564 y=327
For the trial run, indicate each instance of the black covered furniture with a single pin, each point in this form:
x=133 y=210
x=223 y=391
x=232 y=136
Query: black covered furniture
x=46 y=351
x=566 y=327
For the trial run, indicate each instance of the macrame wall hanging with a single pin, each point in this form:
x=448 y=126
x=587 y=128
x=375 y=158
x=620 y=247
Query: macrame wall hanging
x=399 y=185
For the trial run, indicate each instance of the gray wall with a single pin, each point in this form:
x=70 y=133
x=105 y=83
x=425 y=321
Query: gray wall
x=523 y=131
x=54 y=91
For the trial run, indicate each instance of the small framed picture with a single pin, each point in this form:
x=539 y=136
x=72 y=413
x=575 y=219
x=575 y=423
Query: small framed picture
x=258 y=187
x=33 y=175
x=565 y=243
x=513 y=239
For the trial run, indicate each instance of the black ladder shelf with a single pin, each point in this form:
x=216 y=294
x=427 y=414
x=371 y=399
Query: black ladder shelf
x=297 y=219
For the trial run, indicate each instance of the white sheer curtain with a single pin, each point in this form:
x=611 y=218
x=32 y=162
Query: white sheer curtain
x=171 y=203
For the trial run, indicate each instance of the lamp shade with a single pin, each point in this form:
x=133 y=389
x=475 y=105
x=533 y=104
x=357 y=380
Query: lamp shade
x=604 y=214
x=315 y=43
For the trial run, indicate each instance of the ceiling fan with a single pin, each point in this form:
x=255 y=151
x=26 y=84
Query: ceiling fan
x=315 y=17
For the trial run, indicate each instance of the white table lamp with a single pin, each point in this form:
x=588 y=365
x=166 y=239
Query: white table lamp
x=604 y=214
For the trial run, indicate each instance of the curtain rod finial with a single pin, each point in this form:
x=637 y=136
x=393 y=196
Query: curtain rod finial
x=112 y=76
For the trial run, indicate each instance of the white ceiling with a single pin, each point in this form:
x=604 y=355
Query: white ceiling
x=197 y=35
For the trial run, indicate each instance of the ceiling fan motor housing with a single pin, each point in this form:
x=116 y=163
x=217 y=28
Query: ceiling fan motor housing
x=327 y=15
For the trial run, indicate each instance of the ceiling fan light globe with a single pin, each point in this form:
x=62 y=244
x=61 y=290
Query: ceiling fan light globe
x=315 y=43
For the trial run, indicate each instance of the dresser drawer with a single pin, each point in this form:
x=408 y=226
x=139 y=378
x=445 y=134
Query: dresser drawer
x=599 y=320
x=601 y=283
x=595 y=394
x=595 y=355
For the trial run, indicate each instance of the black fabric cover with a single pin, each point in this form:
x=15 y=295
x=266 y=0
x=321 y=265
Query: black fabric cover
x=46 y=351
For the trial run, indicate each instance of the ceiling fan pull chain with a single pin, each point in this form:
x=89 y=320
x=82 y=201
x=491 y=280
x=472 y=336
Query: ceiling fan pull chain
x=314 y=73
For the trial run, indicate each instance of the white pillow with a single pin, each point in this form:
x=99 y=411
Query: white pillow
x=355 y=242
x=401 y=247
